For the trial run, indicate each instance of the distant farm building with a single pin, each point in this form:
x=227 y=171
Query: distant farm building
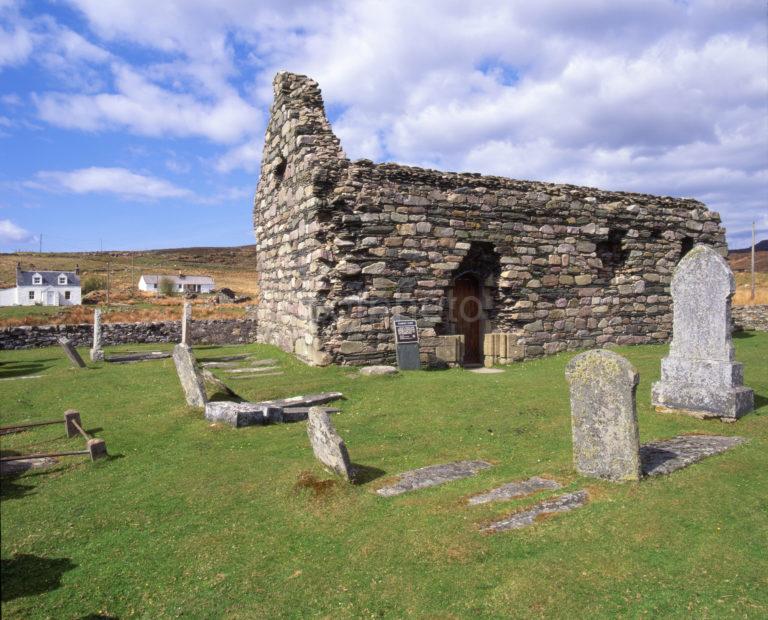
x=180 y=283
x=43 y=288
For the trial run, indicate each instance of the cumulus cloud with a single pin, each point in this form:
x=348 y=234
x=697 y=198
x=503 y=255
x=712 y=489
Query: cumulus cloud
x=11 y=233
x=108 y=180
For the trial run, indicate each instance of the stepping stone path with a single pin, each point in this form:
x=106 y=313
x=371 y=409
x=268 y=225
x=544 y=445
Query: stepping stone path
x=664 y=457
x=432 y=476
x=524 y=518
x=514 y=489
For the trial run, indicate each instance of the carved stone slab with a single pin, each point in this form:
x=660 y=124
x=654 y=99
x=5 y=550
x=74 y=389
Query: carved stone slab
x=328 y=447
x=186 y=324
x=97 y=355
x=191 y=380
x=242 y=414
x=699 y=377
x=432 y=476
x=72 y=353
x=562 y=503
x=512 y=490
x=606 y=443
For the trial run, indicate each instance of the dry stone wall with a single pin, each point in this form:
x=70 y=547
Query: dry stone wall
x=218 y=331
x=750 y=317
x=347 y=245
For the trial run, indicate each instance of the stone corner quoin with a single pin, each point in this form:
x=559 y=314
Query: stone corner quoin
x=345 y=245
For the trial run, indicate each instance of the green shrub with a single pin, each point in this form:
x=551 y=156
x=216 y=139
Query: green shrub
x=165 y=286
x=93 y=283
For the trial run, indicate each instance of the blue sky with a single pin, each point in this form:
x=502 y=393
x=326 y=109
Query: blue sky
x=131 y=125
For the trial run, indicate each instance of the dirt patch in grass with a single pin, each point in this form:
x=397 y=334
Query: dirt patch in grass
x=319 y=488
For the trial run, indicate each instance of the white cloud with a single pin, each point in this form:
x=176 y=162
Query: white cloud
x=245 y=157
x=11 y=233
x=108 y=180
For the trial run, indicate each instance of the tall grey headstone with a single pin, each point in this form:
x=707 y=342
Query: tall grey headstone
x=191 y=380
x=699 y=376
x=71 y=352
x=328 y=447
x=97 y=354
x=407 y=343
x=606 y=443
x=186 y=324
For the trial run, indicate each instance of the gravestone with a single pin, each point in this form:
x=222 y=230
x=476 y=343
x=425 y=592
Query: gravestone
x=242 y=414
x=191 y=380
x=97 y=355
x=699 y=377
x=186 y=324
x=71 y=352
x=407 y=343
x=603 y=416
x=328 y=447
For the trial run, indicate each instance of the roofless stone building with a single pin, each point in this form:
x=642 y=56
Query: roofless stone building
x=493 y=269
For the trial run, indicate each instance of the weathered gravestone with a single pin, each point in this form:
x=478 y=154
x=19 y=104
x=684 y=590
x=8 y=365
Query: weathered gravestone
x=97 y=355
x=191 y=380
x=603 y=416
x=699 y=376
x=71 y=352
x=328 y=447
x=407 y=343
x=186 y=324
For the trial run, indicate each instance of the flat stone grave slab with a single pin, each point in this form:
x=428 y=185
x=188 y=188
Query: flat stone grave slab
x=242 y=414
x=663 y=457
x=432 y=476
x=513 y=490
x=486 y=371
x=21 y=377
x=374 y=371
x=257 y=376
x=219 y=364
x=304 y=401
x=15 y=468
x=226 y=358
x=524 y=518
x=299 y=414
x=251 y=369
x=122 y=358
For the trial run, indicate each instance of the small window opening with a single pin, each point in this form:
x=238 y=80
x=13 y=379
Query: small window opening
x=610 y=251
x=67 y=294
x=37 y=280
x=31 y=294
x=280 y=171
x=686 y=245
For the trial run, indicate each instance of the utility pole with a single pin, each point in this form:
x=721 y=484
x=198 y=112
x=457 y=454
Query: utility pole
x=752 y=297
x=131 y=274
x=41 y=243
x=108 y=273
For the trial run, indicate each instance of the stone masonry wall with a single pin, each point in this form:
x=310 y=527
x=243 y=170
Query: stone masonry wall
x=750 y=317
x=219 y=331
x=562 y=267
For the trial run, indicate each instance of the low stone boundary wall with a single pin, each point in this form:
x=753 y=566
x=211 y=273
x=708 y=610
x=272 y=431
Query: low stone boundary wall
x=750 y=317
x=213 y=331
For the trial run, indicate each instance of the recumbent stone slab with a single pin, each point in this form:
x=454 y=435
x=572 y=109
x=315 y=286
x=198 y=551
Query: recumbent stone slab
x=664 y=457
x=191 y=380
x=328 y=447
x=242 y=414
x=524 y=518
x=606 y=443
x=699 y=377
x=512 y=490
x=372 y=371
x=432 y=476
x=72 y=353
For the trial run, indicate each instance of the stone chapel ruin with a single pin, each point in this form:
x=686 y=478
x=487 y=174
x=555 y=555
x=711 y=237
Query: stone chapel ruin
x=493 y=269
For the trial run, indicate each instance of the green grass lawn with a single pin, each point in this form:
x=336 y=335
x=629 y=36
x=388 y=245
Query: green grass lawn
x=201 y=521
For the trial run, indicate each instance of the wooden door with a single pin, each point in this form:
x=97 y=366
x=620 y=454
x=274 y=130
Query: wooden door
x=468 y=315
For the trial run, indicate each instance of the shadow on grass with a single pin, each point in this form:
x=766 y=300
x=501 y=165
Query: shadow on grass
x=760 y=401
x=98 y=617
x=742 y=335
x=10 y=489
x=365 y=474
x=22 y=369
x=28 y=575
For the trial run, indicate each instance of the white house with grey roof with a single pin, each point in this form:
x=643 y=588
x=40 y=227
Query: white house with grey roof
x=43 y=288
x=181 y=283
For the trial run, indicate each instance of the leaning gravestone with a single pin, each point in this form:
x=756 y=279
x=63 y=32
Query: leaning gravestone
x=328 y=447
x=191 y=380
x=186 y=324
x=71 y=352
x=407 y=343
x=97 y=354
x=603 y=416
x=699 y=376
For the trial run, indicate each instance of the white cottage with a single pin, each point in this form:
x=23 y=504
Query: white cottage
x=181 y=283
x=43 y=288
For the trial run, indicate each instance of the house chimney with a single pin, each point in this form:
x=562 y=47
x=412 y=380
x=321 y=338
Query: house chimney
x=77 y=269
x=181 y=275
